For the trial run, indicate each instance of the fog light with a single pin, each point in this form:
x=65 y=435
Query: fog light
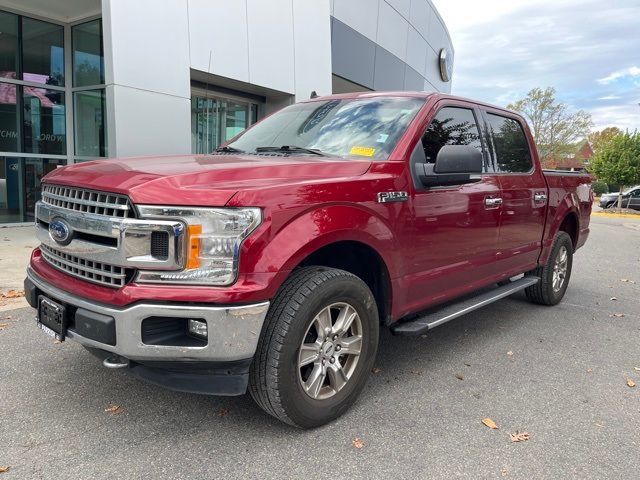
x=198 y=328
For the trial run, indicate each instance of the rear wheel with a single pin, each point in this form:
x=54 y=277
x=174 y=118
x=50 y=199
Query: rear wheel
x=317 y=348
x=555 y=275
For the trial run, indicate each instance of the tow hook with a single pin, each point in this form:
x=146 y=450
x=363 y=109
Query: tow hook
x=115 y=361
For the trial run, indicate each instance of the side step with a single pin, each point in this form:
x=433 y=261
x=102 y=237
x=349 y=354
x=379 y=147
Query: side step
x=455 y=310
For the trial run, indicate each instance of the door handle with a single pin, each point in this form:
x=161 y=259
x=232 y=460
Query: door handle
x=492 y=202
x=540 y=197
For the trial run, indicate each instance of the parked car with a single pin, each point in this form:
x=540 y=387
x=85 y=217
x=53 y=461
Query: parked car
x=272 y=264
x=630 y=199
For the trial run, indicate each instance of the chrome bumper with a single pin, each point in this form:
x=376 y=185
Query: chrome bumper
x=233 y=331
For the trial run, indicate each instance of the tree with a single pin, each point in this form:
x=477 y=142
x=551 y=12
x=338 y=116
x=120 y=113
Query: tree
x=599 y=139
x=618 y=161
x=555 y=128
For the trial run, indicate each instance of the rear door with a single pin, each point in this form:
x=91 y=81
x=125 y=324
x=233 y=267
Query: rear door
x=452 y=246
x=523 y=192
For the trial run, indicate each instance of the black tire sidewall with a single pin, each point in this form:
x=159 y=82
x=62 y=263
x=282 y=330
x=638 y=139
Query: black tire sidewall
x=563 y=239
x=303 y=410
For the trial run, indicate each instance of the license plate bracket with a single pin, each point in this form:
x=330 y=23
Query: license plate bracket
x=52 y=318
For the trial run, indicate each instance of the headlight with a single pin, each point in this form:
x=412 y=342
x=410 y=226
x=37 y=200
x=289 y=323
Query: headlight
x=214 y=236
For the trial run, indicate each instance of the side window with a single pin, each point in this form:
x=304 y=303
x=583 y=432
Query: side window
x=510 y=144
x=451 y=126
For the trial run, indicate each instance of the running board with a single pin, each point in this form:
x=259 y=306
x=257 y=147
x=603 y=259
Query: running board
x=455 y=310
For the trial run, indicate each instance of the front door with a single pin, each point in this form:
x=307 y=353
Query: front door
x=452 y=246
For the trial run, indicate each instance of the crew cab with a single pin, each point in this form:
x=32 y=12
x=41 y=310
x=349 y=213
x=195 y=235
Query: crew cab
x=271 y=264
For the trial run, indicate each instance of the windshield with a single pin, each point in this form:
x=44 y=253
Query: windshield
x=349 y=128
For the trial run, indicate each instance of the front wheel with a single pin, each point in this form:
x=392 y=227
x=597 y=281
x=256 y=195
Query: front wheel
x=317 y=347
x=555 y=275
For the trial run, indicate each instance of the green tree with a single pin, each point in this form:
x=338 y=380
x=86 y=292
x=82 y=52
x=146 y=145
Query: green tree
x=618 y=161
x=555 y=128
x=600 y=138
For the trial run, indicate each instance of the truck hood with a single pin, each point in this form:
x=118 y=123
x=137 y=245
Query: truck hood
x=201 y=180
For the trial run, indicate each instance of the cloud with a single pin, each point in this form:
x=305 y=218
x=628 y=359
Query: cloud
x=581 y=47
x=618 y=74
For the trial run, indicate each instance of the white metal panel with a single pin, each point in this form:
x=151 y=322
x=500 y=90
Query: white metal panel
x=436 y=34
x=218 y=28
x=149 y=123
x=392 y=31
x=402 y=6
x=361 y=15
x=147 y=45
x=420 y=16
x=312 y=47
x=271 y=51
x=416 y=51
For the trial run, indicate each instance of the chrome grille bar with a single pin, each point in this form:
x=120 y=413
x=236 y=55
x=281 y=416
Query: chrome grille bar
x=89 y=270
x=88 y=201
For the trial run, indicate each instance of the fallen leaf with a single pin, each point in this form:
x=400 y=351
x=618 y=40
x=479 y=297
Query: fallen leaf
x=416 y=372
x=637 y=369
x=8 y=317
x=356 y=442
x=13 y=294
x=459 y=376
x=375 y=370
x=599 y=425
x=510 y=353
x=504 y=472
x=519 y=436
x=114 y=409
x=4 y=469
x=223 y=412
x=423 y=335
x=57 y=342
x=467 y=364
x=617 y=315
x=626 y=280
x=589 y=370
x=631 y=383
x=613 y=298
x=490 y=423
x=3 y=326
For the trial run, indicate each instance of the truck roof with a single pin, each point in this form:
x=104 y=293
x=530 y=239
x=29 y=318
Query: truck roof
x=415 y=94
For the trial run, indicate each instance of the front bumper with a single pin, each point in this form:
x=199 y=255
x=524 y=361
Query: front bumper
x=233 y=334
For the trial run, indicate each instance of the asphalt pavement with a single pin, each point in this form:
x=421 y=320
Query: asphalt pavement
x=559 y=374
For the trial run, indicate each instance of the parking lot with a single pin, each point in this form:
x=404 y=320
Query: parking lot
x=559 y=374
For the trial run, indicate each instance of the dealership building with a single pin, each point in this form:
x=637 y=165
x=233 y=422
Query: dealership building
x=90 y=79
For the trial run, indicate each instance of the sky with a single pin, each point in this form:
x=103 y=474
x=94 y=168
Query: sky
x=589 y=50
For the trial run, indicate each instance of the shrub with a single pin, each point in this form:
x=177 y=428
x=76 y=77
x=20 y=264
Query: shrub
x=599 y=187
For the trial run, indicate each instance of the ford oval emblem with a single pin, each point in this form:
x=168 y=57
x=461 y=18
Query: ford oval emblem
x=60 y=231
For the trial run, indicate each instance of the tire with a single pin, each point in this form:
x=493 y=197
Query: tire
x=308 y=299
x=546 y=292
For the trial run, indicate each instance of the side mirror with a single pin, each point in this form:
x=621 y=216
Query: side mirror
x=455 y=165
x=458 y=159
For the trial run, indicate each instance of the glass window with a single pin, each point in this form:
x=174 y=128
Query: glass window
x=8 y=118
x=89 y=117
x=235 y=119
x=42 y=52
x=451 y=126
x=204 y=125
x=44 y=121
x=511 y=149
x=8 y=45
x=34 y=170
x=10 y=199
x=88 y=57
x=349 y=128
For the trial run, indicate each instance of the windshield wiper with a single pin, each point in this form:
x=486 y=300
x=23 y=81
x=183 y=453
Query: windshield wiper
x=228 y=149
x=290 y=148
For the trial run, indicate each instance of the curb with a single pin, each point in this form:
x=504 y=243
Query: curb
x=615 y=215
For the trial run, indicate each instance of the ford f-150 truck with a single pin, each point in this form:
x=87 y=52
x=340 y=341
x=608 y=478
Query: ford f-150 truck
x=271 y=264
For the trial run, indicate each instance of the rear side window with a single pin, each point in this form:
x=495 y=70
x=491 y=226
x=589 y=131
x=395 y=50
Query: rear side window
x=510 y=147
x=451 y=126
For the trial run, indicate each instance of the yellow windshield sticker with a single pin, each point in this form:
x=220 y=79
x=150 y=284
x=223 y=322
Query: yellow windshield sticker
x=362 y=151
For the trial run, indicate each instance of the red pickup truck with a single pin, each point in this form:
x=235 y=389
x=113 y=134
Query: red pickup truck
x=271 y=264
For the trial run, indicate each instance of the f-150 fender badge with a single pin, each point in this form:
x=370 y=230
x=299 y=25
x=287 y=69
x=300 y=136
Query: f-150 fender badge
x=388 y=197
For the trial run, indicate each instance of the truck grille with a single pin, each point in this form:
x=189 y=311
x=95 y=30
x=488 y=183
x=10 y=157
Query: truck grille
x=95 y=272
x=89 y=201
